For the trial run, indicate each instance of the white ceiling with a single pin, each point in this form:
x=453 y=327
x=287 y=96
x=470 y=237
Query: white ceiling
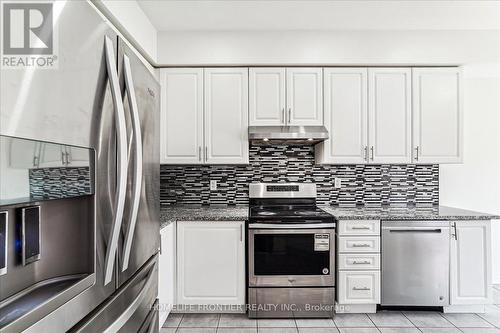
x=231 y=15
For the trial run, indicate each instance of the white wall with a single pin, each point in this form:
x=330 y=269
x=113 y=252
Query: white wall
x=128 y=16
x=377 y=47
x=475 y=184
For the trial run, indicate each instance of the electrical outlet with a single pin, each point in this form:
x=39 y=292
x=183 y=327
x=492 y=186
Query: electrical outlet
x=213 y=185
x=338 y=183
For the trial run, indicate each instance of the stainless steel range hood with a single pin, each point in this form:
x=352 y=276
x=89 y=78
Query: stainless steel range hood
x=290 y=135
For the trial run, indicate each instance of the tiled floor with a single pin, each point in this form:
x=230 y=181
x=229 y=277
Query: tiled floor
x=381 y=322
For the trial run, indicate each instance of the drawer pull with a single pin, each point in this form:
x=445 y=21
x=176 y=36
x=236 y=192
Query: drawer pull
x=360 y=228
x=366 y=262
x=361 y=289
x=360 y=245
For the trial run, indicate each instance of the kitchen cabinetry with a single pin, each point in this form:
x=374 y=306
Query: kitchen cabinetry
x=286 y=96
x=346 y=116
x=166 y=272
x=211 y=263
x=267 y=96
x=358 y=274
x=181 y=132
x=437 y=115
x=389 y=115
x=204 y=118
x=304 y=96
x=470 y=265
x=226 y=115
x=368 y=116
x=411 y=116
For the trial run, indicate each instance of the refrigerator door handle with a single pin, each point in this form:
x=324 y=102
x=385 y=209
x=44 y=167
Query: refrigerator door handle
x=134 y=305
x=121 y=186
x=137 y=149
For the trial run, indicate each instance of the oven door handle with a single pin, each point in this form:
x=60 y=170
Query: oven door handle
x=291 y=226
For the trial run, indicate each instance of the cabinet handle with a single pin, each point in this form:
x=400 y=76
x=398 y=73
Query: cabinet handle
x=455 y=230
x=63 y=160
x=283 y=116
x=241 y=233
x=366 y=153
x=360 y=245
x=360 y=228
x=372 y=153
x=199 y=153
x=363 y=289
x=360 y=262
x=206 y=153
x=417 y=150
x=289 y=114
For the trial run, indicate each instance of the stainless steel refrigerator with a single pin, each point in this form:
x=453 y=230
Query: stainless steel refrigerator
x=101 y=96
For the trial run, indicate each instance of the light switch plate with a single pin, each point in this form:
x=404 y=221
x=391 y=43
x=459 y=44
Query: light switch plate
x=213 y=185
x=338 y=183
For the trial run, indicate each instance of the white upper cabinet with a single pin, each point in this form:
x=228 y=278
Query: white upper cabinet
x=437 y=116
x=182 y=116
x=389 y=115
x=470 y=267
x=304 y=95
x=345 y=115
x=226 y=115
x=267 y=96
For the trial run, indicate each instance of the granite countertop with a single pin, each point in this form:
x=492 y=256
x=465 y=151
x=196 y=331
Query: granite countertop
x=407 y=213
x=202 y=213
x=240 y=213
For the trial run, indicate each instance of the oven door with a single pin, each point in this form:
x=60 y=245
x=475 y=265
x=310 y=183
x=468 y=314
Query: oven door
x=283 y=255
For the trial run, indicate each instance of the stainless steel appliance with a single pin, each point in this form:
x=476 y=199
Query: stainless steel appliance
x=291 y=252
x=415 y=263
x=101 y=96
x=297 y=135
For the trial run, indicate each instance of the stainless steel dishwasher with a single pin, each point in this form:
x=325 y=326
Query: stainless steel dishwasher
x=415 y=263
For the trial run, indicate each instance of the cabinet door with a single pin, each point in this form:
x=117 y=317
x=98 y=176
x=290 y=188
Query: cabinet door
x=345 y=115
x=166 y=272
x=181 y=125
x=358 y=287
x=226 y=115
x=389 y=117
x=210 y=263
x=304 y=96
x=51 y=155
x=267 y=96
x=470 y=263
x=437 y=115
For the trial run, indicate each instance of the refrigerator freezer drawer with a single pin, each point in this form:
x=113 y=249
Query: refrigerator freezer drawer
x=129 y=308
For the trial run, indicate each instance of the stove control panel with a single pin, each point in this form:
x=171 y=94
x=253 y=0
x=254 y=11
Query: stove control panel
x=282 y=188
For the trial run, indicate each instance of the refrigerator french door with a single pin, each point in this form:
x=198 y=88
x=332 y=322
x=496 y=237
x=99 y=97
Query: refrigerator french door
x=86 y=102
x=140 y=229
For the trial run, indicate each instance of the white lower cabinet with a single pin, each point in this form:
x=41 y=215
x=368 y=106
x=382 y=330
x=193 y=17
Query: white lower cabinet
x=360 y=287
x=358 y=266
x=166 y=272
x=210 y=263
x=470 y=265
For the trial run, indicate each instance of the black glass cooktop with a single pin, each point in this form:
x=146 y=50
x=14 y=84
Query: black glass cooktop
x=289 y=213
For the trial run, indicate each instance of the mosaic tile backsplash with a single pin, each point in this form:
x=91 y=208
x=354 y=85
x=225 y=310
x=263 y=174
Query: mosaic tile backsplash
x=59 y=183
x=362 y=185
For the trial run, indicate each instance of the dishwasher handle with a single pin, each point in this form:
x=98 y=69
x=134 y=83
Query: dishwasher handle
x=419 y=230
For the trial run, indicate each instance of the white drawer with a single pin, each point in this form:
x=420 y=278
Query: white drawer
x=359 y=244
x=358 y=262
x=358 y=227
x=359 y=287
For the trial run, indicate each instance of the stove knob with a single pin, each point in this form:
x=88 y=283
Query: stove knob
x=325 y=271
